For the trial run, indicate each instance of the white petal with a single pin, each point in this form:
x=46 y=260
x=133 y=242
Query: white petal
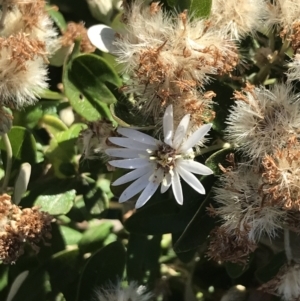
x=190 y=179
x=181 y=131
x=137 y=136
x=168 y=125
x=152 y=186
x=126 y=153
x=166 y=183
x=130 y=143
x=176 y=186
x=131 y=163
x=195 y=137
x=194 y=167
x=102 y=37
x=134 y=188
x=132 y=175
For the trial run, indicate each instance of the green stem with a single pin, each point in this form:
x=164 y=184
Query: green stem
x=9 y=156
x=214 y=147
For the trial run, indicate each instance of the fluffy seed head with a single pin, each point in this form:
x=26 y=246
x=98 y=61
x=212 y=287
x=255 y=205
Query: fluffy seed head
x=286 y=283
x=23 y=72
x=238 y=18
x=281 y=177
x=294 y=68
x=263 y=120
x=169 y=55
x=29 y=17
x=233 y=246
x=242 y=206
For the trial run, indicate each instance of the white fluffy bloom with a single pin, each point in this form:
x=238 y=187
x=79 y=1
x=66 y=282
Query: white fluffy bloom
x=262 y=120
x=241 y=205
x=158 y=162
x=133 y=293
x=238 y=18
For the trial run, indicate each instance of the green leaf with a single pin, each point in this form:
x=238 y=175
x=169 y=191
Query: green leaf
x=143 y=254
x=70 y=236
x=88 y=81
x=200 y=8
x=56 y=204
x=57 y=17
x=30 y=116
x=34 y=287
x=270 y=270
x=222 y=103
x=62 y=150
x=63 y=269
x=197 y=230
x=94 y=237
x=52 y=124
x=160 y=216
x=23 y=147
x=95 y=199
x=104 y=268
x=235 y=270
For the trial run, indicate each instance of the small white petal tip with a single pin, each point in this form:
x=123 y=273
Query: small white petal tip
x=102 y=37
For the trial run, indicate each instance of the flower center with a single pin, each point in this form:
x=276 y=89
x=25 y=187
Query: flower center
x=165 y=157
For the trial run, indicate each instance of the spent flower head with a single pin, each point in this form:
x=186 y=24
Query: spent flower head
x=238 y=18
x=241 y=205
x=169 y=56
x=286 y=283
x=23 y=71
x=18 y=226
x=263 y=119
x=158 y=162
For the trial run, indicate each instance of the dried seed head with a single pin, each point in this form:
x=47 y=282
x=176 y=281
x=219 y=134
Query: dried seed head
x=238 y=18
x=294 y=68
x=263 y=120
x=168 y=56
x=29 y=17
x=77 y=31
x=20 y=226
x=242 y=206
x=281 y=178
x=228 y=246
x=286 y=283
x=22 y=70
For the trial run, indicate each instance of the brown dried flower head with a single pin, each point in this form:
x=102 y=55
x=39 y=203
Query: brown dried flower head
x=281 y=177
x=228 y=246
x=20 y=226
x=23 y=71
x=285 y=284
x=77 y=31
x=169 y=56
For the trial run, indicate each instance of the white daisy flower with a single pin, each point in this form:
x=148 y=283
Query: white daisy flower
x=158 y=162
